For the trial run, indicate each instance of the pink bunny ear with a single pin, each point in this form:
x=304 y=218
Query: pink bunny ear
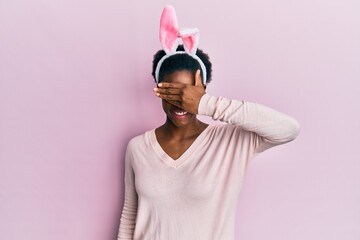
x=169 y=30
x=190 y=39
x=170 y=37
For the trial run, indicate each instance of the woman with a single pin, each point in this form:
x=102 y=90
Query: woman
x=182 y=179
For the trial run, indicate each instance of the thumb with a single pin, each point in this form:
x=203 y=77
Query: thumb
x=198 y=81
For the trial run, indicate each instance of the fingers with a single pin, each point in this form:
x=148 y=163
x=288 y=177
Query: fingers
x=169 y=94
x=170 y=85
x=170 y=97
x=198 y=81
x=168 y=90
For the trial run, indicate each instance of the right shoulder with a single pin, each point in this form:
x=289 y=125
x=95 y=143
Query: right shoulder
x=138 y=141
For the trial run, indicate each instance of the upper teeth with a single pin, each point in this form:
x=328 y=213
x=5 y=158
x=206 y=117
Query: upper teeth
x=180 y=113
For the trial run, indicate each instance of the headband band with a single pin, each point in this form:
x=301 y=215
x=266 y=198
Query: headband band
x=171 y=37
x=202 y=65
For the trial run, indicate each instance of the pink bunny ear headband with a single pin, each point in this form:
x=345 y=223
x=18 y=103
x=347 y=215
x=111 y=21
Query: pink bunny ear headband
x=171 y=37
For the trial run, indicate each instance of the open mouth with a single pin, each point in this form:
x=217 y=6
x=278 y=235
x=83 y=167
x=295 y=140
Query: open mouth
x=179 y=113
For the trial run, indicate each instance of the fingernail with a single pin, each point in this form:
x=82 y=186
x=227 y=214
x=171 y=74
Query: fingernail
x=157 y=94
x=160 y=84
x=155 y=89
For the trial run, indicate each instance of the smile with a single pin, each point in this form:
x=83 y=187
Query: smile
x=180 y=113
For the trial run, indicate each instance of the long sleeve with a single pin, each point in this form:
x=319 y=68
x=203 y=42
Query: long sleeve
x=129 y=212
x=270 y=127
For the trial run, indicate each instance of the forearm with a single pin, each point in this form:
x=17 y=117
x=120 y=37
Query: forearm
x=273 y=126
x=128 y=215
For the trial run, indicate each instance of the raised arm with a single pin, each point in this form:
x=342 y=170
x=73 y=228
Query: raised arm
x=272 y=127
x=269 y=126
x=129 y=212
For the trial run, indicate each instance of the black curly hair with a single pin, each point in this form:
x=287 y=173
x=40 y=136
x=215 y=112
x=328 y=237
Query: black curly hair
x=179 y=62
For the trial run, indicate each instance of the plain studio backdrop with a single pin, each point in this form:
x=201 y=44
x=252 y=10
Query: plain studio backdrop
x=75 y=86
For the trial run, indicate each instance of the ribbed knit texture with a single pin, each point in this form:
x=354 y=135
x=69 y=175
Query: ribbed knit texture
x=195 y=197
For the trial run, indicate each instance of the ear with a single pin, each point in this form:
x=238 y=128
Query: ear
x=190 y=39
x=169 y=30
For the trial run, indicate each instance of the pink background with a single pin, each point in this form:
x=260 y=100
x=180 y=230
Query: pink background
x=75 y=86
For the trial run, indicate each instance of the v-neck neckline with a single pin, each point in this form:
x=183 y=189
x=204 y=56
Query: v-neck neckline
x=175 y=163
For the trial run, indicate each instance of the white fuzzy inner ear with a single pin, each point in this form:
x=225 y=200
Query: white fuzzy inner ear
x=194 y=35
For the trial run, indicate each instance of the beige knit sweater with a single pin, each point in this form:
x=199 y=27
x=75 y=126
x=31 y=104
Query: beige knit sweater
x=195 y=197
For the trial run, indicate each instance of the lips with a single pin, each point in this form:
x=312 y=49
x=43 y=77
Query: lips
x=179 y=113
